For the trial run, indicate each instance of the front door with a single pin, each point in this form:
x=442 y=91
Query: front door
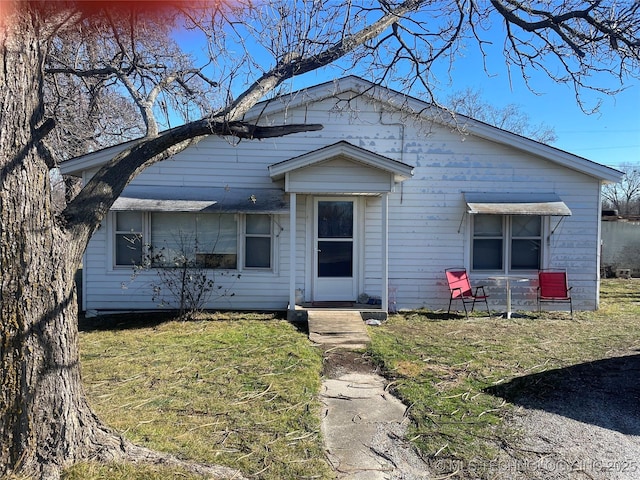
x=335 y=269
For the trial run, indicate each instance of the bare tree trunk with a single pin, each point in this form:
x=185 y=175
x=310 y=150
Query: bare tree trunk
x=43 y=413
x=45 y=420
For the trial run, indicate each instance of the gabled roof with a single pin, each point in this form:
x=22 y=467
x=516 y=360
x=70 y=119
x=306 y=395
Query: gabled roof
x=357 y=86
x=361 y=87
x=401 y=171
x=76 y=165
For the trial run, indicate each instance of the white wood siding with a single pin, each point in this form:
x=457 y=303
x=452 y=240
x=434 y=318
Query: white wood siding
x=339 y=176
x=428 y=230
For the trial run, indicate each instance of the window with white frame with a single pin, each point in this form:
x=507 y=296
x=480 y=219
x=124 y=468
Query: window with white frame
x=211 y=240
x=511 y=241
x=208 y=239
x=257 y=240
x=128 y=240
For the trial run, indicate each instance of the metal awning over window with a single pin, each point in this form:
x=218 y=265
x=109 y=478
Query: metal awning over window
x=201 y=199
x=516 y=204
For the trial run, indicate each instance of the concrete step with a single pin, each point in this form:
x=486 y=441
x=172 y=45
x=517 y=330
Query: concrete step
x=338 y=328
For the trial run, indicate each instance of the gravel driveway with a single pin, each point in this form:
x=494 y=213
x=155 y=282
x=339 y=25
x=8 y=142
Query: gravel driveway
x=582 y=422
x=579 y=422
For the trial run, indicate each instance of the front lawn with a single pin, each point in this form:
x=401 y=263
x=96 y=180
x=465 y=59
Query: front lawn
x=444 y=368
x=237 y=389
x=241 y=390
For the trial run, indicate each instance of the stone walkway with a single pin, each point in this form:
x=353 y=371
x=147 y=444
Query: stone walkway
x=363 y=425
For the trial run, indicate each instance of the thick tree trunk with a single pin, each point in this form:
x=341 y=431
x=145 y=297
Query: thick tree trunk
x=45 y=420
x=42 y=409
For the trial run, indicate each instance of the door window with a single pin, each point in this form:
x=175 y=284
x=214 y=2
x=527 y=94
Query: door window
x=335 y=239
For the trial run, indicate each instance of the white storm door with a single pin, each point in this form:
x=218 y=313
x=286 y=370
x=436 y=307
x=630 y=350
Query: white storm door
x=335 y=269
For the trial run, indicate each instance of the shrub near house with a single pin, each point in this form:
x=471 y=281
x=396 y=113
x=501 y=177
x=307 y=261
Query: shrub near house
x=386 y=197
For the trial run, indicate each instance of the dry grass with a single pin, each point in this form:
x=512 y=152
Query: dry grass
x=241 y=390
x=443 y=368
x=237 y=390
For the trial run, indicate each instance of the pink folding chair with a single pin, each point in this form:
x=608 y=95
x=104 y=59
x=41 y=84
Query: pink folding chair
x=460 y=289
x=553 y=287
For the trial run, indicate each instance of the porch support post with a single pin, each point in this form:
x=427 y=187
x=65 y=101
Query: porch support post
x=384 y=295
x=292 y=250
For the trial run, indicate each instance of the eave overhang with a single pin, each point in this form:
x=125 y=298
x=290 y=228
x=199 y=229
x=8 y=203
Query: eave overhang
x=400 y=171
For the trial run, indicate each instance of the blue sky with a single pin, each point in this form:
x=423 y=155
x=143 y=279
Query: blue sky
x=610 y=137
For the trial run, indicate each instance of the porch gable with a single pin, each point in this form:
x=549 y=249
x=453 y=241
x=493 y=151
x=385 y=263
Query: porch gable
x=341 y=168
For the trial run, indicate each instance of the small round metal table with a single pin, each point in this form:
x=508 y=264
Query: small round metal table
x=507 y=279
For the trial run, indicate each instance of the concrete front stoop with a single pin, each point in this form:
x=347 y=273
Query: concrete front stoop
x=338 y=328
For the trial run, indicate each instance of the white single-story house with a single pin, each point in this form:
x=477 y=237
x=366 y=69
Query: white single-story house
x=375 y=206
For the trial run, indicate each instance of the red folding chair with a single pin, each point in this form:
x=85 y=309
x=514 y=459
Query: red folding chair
x=553 y=287
x=460 y=289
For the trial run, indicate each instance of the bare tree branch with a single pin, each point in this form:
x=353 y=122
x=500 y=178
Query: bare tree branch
x=90 y=206
x=625 y=195
x=108 y=73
